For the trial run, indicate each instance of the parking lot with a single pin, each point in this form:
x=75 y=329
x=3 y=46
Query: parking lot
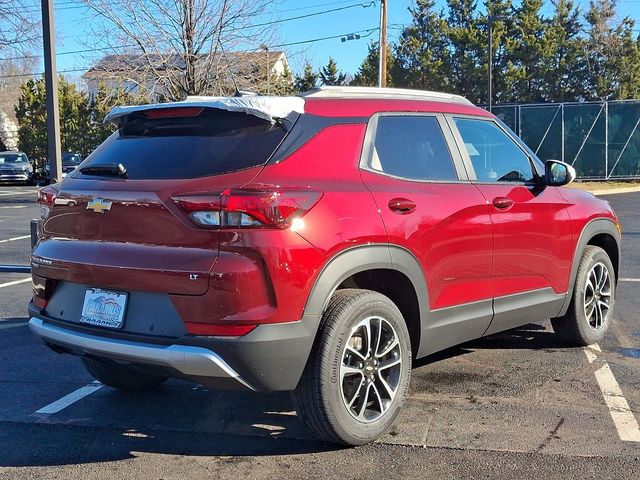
x=516 y=403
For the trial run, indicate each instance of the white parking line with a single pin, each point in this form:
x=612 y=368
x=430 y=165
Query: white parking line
x=14 y=206
x=11 y=194
x=15 y=238
x=630 y=279
x=67 y=400
x=15 y=282
x=623 y=419
x=12 y=325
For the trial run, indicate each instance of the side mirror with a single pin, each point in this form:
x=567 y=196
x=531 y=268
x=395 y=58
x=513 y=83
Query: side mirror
x=557 y=173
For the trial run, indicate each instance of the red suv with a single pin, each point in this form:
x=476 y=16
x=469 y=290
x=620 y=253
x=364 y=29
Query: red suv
x=316 y=244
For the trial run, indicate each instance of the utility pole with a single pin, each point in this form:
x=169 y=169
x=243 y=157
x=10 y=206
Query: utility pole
x=51 y=87
x=490 y=61
x=490 y=20
x=382 y=54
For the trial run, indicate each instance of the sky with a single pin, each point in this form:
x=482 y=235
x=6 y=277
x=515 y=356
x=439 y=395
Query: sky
x=71 y=21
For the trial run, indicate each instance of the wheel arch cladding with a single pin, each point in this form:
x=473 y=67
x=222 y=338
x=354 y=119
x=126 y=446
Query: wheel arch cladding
x=387 y=269
x=603 y=233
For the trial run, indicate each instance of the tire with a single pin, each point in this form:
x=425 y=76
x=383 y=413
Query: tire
x=579 y=326
x=121 y=377
x=338 y=374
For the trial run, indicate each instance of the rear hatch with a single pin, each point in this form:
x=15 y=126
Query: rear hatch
x=115 y=222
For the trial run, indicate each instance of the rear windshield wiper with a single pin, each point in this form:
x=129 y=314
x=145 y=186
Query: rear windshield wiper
x=105 y=169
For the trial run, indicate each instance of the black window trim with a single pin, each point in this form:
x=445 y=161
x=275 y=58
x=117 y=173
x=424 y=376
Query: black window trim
x=536 y=164
x=366 y=155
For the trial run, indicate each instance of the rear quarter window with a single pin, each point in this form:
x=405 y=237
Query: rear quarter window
x=210 y=143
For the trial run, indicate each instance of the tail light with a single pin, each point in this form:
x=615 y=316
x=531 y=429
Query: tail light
x=42 y=290
x=46 y=199
x=248 y=208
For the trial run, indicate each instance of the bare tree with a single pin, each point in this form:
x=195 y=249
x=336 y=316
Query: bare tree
x=19 y=34
x=183 y=47
x=18 y=27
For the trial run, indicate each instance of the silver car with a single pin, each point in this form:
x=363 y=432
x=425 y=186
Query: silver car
x=15 y=167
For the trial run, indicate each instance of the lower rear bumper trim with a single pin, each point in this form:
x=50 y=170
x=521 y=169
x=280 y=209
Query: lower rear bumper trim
x=188 y=360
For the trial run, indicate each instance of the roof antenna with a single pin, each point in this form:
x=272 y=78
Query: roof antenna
x=237 y=93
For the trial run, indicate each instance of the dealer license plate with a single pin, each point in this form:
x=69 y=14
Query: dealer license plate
x=104 y=308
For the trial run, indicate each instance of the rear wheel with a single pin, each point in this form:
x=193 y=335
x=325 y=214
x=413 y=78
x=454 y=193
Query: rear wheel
x=122 y=377
x=589 y=314
x=357 y=376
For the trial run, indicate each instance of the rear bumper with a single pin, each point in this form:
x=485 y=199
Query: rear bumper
x=192 y=362
x=272 y=357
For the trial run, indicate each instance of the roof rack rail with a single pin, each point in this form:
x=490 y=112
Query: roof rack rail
x=375 y=92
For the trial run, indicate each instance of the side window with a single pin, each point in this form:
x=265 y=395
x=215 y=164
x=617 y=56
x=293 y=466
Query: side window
x=495 y=157
x=412 y=147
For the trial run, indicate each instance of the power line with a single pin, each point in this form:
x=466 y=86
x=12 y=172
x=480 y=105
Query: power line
x=57 y=7
x=363 y=33
x=299 y=17
x=363 y=5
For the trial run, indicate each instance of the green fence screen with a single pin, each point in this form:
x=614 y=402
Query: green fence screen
x=600 y=139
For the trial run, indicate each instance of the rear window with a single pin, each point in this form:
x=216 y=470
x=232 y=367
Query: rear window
x=212 y=142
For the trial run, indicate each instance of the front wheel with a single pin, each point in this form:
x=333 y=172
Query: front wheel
x=357 y=376
x=589 y=315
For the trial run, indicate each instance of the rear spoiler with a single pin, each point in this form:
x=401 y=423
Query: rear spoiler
x=268 y=108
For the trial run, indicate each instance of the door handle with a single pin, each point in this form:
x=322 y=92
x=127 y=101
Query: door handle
x=502 y=203
x=401 y=206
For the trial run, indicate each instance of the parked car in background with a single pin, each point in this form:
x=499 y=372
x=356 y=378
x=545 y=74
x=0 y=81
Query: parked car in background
x=69 y=163
x=15 y=167
x=317 y=244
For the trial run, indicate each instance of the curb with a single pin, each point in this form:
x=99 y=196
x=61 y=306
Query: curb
x=613 y=191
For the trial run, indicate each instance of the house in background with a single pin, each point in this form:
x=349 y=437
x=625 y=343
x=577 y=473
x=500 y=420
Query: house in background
x=8 y=133
x=160 y=76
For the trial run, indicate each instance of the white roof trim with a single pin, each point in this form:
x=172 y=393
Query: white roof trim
x=266 y=107
x=390 y=93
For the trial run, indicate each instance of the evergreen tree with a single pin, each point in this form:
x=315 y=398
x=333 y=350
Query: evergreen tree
x=367 y=75
x=330 y=75
x=31 y=113
x=308 y=79
x=422 y=50
x=81 y=117
x=610 y=54
x=529 y=54
x=560 y=66
x=465 y=55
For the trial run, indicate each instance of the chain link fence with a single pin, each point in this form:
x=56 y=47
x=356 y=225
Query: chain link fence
x=600 y=139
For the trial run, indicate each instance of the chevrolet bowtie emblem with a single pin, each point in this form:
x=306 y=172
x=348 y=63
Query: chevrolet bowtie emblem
x=99 y=205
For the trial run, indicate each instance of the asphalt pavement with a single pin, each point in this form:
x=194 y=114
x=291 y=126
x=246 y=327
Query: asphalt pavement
x=514 y=404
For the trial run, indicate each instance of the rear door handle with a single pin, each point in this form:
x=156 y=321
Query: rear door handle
x=401 y=206
x=502 y=203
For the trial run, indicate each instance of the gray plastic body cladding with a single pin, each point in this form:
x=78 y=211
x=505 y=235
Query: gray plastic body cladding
x=146 y=313
x=269 y=358
x=513 y=311
x=451 y=326
x=360 y=259
x=591 y=229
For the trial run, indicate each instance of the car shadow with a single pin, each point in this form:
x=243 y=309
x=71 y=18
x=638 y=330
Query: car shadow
x=187 y=419
x=114 y=426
